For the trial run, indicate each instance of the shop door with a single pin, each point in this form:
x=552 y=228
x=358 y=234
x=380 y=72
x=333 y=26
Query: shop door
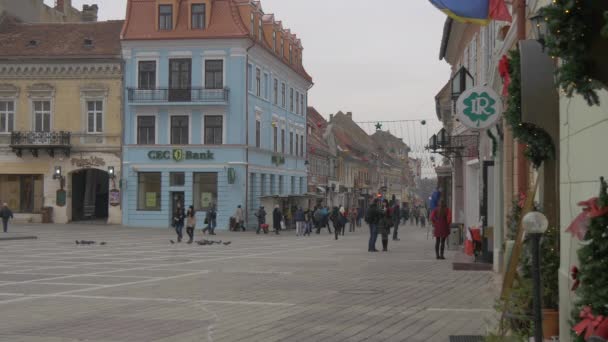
x=177 y=201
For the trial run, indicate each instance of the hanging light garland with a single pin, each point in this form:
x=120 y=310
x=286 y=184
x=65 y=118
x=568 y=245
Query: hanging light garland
x=568 y=25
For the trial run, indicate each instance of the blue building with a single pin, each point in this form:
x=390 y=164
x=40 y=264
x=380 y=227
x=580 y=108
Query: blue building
x=215 y=110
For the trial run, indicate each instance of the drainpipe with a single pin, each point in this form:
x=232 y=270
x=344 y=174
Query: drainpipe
x=522 y=163
x=247 y=132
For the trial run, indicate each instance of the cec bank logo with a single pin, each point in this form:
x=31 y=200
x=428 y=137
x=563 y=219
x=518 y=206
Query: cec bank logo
x=479 y=107
x=178 y=155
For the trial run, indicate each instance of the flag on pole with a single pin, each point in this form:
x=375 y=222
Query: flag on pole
x=474 y=11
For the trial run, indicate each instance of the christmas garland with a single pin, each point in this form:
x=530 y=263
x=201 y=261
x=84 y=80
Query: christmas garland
x=539 y=146
x=591 y=280
x=567 y=21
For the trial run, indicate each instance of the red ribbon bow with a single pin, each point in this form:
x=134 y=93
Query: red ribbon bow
x=574 y=276
x=588 y=324
x=503 y=70
x=591 y=209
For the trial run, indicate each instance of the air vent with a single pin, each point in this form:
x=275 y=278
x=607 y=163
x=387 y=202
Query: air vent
x=88 y=42
x=32 y=43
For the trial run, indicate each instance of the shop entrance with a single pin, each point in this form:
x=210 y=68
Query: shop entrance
x=177 y=201
x=90 y=189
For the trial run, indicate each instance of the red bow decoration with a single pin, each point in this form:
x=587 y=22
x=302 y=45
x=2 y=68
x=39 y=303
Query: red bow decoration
x=574 y=276
x=522 y=200
x=591 y=209
x=588 y=324
x=503 y=70
x=602 y=330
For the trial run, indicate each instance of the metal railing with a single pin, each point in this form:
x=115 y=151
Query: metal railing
x=201 y=95
x=60 y=139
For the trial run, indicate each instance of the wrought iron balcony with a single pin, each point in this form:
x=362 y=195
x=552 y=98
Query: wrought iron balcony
x=35 y=141
x=194 y=95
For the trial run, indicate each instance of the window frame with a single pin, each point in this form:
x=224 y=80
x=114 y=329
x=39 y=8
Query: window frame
x=43 y=112
x=95 y=113
x=202 y=15
x=291 y=142
x=276 y=91
x=258 y=133
x=165 y=16
x=297 y=144
x=291 y=100
x=252 y=24
x=205 y=135
x=260 y=29
x=188 y=129
x=222 y=73
x=275 y=137
x=302 y=145
x=9 y=116
x=196 y=194
x=155 y=129
x=283 y=140
x=159 y=194
x=266 y=86
x=297 y=102
x=283 y=95
x=258 y=82
x=155 y=80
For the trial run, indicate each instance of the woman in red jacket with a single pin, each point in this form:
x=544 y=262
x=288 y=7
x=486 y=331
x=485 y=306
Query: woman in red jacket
x=441 y=218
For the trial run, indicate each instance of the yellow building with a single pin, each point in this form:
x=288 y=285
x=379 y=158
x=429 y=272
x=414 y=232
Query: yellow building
x=60 y=120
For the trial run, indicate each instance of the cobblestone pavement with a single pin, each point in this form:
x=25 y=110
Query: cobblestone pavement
x=139 y=287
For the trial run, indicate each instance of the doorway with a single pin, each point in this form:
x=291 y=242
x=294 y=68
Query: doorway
x=90 y=189
x=180 y=81
x=177 y=201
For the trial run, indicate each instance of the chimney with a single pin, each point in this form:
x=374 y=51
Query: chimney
x=331 y=117
x=89 y=12
x=349 y=115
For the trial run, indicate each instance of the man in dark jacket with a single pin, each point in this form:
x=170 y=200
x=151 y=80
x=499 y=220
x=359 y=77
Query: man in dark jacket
x=396 y=216
x=372 y=217
x=277 y=216
x=261 y=215
x=5 y=215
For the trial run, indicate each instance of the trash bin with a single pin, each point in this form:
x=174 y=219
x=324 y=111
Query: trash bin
x=47 y=215
x=454 y=240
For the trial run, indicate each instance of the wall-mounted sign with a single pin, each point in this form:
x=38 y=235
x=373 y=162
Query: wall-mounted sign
x=150 y=199
x=60 y=198
x=179 y=155
x=114 y=197
x=206 y=199
x=479 y=107
x=88 y=162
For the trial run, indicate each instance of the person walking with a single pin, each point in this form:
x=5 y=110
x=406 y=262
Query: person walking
x=178 y=222
x=277 y=216
x=210 y=221
x=405 y=213
x=441 y=218
x=343 y=218
x=239 y=218
x=300 y=221
x=417 y=215
x=352 y=219
x=371 y=218
x=412 y=211
x=5 y=215
x=359 y=216
x=261 y=215
x=335 y=218
x=396 y=217
x=308 y=220
x=423 y=216
x=385 y=222
x=190 y=223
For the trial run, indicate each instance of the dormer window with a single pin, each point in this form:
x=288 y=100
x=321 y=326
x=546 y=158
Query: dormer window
x=274 y=41
x=282 y=48
x=252 y=24
x=198 y=16
x=165 y=17
x=260 y=30
x=290 y=54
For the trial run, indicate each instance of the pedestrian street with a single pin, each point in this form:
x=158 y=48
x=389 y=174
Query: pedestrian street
x=140 y=287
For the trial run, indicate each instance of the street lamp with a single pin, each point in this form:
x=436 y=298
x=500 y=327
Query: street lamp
x=536 y=224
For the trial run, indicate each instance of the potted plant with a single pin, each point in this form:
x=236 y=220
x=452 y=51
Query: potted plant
x=549 y=261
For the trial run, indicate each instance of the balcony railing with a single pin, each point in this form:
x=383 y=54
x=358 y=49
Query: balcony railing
x=34 y=141
x=199 y=95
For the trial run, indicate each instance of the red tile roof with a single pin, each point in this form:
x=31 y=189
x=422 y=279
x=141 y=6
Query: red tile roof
x=318 y=124
x=60 y=40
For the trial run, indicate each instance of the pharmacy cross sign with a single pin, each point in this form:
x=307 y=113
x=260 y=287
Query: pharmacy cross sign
x=479 y=107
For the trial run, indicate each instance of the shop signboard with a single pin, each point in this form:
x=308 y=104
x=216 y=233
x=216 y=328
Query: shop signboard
x=206 y=199
x=60 y=198
x=479 y=107
x=114 y=197
x=179 y=155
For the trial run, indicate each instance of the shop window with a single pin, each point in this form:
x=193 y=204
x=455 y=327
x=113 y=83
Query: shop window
x=165 y=17
x=204 y=190
x=177 y=179
x=214 y=74
x=148 y=191
x=198 y=16
x=7 y=116
x=42 y=116
x=213 y=129
x=22 y=193
x=179 y=130
x=147 y=75
x=94 y=116
x=146 y=130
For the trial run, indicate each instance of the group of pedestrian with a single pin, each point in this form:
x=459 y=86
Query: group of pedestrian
x=381 y=217
x=416 y=215
x=181 y=218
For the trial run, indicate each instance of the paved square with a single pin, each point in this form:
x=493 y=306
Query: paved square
x=139 y=287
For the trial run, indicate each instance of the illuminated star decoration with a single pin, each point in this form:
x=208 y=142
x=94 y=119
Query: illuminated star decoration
x=378 y=126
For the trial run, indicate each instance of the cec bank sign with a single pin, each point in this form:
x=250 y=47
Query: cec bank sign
x=479 y=107
x=179 y=155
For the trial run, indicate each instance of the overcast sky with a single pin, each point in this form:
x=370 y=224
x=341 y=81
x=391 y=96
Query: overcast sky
x=378 y=59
